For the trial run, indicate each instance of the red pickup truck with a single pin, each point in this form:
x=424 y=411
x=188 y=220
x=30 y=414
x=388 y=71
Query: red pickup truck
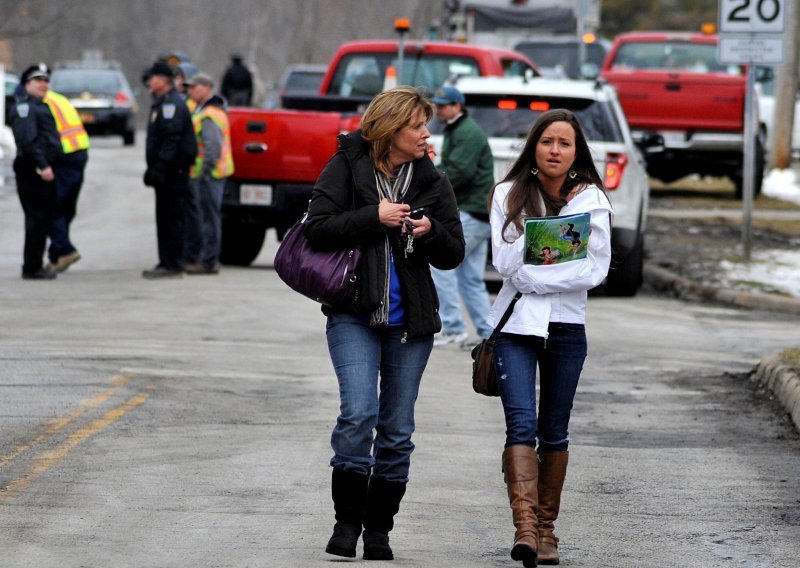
x=671 y=86
x=279 y=153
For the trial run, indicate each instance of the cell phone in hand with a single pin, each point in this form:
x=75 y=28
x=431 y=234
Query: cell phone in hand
x=417 y=214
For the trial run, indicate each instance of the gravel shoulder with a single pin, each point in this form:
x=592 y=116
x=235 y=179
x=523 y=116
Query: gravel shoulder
x=693 y=246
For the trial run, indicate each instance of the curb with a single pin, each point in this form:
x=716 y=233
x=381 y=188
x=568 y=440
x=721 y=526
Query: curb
x=784 y=383
x=665 y=280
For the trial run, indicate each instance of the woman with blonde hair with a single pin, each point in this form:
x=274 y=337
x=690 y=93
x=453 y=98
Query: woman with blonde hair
x=381 y=192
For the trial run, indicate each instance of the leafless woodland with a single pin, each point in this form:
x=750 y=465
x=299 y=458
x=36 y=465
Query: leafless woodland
x=269 y=33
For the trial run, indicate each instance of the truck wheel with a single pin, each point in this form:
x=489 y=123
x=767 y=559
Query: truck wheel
x=625 y=277
x=759 y=173
x=241 y=242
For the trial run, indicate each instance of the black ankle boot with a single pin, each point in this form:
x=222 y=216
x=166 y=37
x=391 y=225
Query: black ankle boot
x=343 y=540
x=349 y=491
x=376 y=546
x=383 y=503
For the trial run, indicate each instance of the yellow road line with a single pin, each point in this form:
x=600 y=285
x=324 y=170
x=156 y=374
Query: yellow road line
x=47 y=460
x=53 y=426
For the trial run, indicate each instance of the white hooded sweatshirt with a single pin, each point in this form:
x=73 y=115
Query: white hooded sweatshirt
x=551 y=293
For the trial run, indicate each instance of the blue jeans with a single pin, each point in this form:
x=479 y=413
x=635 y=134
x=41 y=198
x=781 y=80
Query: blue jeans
x=68 y=182
x=204 y=221
x=360 y=354
x=560 y=361
x=466 y=281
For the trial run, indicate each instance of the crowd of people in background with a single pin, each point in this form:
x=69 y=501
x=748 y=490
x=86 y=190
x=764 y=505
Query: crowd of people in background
x=188 y=159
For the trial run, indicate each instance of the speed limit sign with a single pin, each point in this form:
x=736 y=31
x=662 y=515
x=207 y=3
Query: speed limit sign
x=751 y=31
x=752 y=16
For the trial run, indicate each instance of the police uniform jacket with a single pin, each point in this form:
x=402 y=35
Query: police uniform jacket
x=344 y=213
x=171 y=142
x=35 y=133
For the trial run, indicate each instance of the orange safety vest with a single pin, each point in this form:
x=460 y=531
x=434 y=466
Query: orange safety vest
x=224 y=166
x=68 y=122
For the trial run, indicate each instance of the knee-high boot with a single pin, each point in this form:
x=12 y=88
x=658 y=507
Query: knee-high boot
x=349 y=492
x=521 y=467
x=383 y=503
x=552 y=470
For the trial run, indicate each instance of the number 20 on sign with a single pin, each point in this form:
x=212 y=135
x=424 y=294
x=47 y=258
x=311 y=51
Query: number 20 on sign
x=752 y=16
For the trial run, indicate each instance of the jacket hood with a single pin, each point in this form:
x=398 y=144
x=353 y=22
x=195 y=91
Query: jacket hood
x=216 y=101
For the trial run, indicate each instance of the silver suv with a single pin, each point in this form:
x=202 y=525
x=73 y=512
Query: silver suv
x=506 y=108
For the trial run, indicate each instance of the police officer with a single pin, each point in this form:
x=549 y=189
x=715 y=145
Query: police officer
x=38 y=152
x=171 y=149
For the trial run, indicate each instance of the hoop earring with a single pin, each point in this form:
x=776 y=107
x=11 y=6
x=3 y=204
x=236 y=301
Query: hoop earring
x=572 y=174
x=534 y=171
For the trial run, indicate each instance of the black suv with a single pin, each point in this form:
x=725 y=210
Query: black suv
x=101 y=94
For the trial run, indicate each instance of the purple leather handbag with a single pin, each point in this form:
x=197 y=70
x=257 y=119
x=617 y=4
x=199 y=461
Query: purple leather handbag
x=327 y=277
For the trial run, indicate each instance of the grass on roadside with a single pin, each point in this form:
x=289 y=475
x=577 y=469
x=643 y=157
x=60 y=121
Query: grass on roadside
x=792 y=358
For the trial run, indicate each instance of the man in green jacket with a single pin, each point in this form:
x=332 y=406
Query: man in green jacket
x=467 y=161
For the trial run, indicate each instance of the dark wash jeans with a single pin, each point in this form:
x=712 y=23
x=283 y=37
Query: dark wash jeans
x=69 y=179
x=560 y=361
x=379 y=380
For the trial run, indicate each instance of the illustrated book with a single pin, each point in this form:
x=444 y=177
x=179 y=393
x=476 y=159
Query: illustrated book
x=555 y=240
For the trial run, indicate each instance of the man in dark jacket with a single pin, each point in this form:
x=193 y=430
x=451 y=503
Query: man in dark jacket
x=467 y=161
x=171 y=149
x=237 y=83
x=38 y=151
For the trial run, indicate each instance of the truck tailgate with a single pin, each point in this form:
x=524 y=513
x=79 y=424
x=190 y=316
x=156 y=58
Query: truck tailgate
x=282 y=145
x=657 y=100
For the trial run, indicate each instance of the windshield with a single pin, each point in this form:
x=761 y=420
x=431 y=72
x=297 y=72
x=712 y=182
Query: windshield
x=513 y=116
x=362 y=74
x=68 y=81
x=672 y=56
x=304 y=81
x=561 y=57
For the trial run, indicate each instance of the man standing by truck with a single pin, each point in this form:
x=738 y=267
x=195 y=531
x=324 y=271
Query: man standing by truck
x=214 y=163
x=171 y=149
x=467 y=161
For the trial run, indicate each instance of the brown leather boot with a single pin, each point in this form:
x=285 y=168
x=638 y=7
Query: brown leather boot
x=552 y=470
x=521 y=467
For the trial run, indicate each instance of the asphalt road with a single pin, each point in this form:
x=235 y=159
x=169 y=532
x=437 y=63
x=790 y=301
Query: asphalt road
x=186 y=422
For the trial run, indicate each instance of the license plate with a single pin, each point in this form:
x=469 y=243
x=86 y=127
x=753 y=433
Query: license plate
x=86 y=118
x=674 y=139
x=255 y=194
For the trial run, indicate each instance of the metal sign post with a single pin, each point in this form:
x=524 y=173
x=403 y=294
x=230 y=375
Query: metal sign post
x=751 y=33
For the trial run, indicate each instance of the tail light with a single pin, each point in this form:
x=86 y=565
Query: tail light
x=121 y=99
x=615 y=167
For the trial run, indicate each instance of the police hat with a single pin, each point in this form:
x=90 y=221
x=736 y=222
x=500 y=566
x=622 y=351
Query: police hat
x=448 y=96
x=158 y=68
x=38 y=71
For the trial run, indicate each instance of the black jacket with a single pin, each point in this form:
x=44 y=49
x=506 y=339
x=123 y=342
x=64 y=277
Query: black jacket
x=344 y=213
x=171 y=142
x=35 y=133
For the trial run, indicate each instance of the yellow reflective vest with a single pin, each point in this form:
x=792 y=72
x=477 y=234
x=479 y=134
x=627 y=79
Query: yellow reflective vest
x=70 y=128
x=224 y=166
